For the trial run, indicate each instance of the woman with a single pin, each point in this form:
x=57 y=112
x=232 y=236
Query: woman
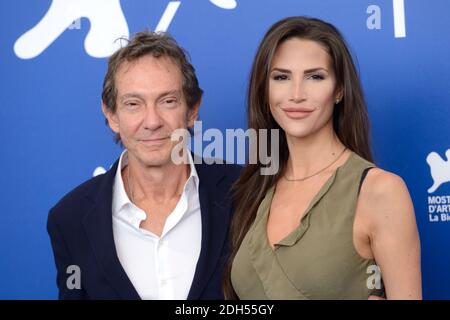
x=326 y=224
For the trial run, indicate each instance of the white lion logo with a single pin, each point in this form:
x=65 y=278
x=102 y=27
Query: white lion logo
x=439 y=168
x=107 y=25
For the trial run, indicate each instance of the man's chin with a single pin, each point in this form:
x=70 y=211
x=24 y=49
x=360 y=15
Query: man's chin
x=156 y=159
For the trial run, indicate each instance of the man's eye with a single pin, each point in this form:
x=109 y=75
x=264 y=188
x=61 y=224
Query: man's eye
x=169 y=102
x=132 y=104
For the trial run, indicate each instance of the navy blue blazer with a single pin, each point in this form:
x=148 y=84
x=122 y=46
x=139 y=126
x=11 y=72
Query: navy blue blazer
x=80 y=229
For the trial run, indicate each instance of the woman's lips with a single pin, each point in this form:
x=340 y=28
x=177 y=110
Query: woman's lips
x=297 y=113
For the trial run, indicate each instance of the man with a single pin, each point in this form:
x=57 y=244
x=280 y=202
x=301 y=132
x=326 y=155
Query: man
x=150 y=227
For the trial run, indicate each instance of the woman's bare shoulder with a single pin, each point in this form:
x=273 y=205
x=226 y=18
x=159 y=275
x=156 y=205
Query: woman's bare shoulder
x=385 y=198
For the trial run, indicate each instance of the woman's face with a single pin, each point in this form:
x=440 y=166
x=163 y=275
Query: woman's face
x=302 y=87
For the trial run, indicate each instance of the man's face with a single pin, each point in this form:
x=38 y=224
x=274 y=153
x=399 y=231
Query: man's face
x=150 y=106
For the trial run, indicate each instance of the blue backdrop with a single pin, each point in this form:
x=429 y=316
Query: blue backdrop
x=53 y=134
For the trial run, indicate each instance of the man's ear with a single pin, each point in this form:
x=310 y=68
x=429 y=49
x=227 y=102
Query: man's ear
x=111 y=117
x=193 y=114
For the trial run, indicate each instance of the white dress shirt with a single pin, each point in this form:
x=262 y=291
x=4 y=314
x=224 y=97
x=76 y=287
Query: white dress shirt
x=158 y=267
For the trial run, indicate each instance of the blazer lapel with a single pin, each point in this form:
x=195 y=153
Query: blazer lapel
x=215 y=214
x=98 y=225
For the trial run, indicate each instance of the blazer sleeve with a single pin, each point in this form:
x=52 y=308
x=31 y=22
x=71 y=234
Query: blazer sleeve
x=62 y=261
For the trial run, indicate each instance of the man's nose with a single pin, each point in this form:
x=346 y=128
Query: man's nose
x=152 y=118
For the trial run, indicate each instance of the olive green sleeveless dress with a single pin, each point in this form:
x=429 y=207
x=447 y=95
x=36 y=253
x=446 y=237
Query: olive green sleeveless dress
x=317 y=260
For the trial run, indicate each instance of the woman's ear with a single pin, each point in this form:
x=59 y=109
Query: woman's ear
x=339 y=95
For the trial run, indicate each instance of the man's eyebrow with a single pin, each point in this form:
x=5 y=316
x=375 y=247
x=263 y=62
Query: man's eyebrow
x=140 y=96
x=168 y=93
x=132 y=95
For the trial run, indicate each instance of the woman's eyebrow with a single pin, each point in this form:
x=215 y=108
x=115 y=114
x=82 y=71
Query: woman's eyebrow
x=281 y=70
x=315 y=70
x=306 y=71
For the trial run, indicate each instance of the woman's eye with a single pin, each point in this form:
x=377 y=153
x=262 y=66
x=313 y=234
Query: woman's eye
x=317 y=77
x=279 y=77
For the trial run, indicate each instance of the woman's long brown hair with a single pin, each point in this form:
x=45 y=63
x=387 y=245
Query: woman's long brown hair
x=350 y=119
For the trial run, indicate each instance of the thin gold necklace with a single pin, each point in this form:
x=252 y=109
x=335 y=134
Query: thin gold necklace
x=321 y=170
